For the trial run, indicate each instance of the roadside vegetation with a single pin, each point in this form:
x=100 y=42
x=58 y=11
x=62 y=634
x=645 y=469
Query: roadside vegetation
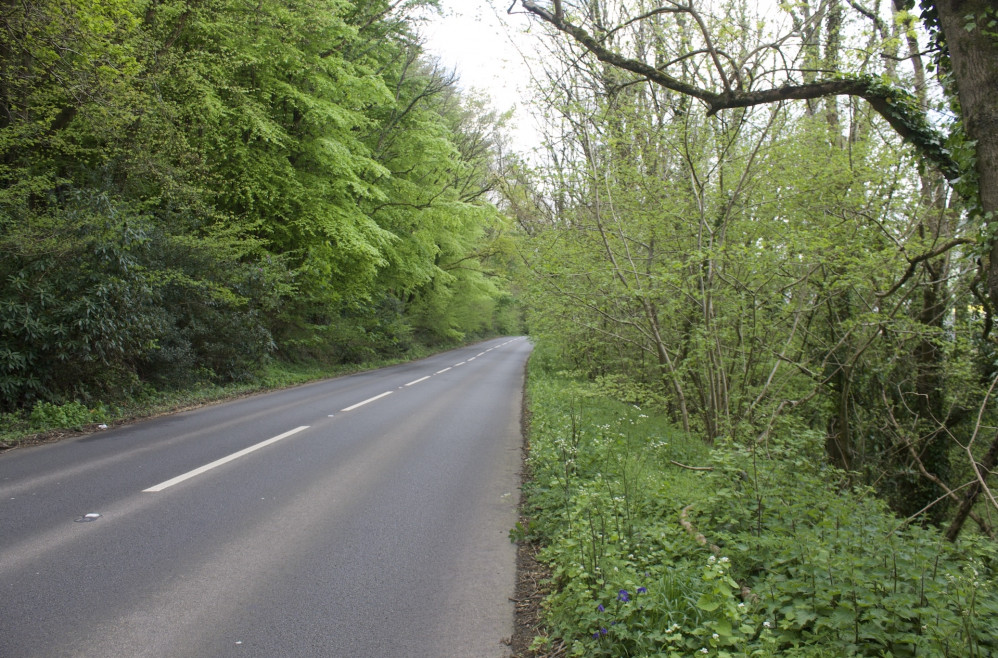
x=47 y=420
x=659 y=545
x=762 y=271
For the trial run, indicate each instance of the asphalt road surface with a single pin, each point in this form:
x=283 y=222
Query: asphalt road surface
x=362 y=516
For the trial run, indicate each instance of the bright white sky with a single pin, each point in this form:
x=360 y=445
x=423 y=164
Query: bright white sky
x=471 y=37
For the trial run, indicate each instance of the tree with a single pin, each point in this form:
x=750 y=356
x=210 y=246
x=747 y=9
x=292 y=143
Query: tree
x=876 y=302
x=186 y=189
x=965 y=33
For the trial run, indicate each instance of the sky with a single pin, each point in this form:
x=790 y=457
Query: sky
x=471 y=37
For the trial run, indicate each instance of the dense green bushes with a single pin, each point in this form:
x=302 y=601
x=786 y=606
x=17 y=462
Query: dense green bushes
x=793 y=560
x=99 y=298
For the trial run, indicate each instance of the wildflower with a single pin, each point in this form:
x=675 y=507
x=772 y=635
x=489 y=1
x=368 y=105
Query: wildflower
x=704 y=650
x=601 y=608
x=741 y=606
x=711 y=560
x=623 y=596
x=767 y=624
x=715 y=636
x=724 y=559
x=642 y=590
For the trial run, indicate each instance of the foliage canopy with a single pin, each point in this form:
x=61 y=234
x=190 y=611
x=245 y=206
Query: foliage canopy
x=187 y=190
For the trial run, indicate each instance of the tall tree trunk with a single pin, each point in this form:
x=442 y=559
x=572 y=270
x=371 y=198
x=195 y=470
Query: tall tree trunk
x=934 y=225
x=974 y=60
x=934 y=447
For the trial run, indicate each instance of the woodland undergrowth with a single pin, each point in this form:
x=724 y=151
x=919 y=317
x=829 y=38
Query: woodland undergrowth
x=659 y=545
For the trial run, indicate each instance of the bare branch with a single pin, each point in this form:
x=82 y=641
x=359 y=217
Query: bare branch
x=893 y=104
x=913 y=263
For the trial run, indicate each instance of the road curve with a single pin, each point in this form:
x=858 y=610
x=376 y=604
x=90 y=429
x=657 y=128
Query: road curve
x=359 y=516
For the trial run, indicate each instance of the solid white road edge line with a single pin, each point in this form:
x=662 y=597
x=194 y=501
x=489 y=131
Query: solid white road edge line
x=421 y=379
x=361 y=404
x=218 y=462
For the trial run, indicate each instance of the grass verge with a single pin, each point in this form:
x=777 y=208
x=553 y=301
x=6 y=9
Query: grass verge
x=49 y=422
x=655 y=544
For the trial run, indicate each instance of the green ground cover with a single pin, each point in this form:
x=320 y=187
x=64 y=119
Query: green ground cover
x=45 y=420
x=770 y=552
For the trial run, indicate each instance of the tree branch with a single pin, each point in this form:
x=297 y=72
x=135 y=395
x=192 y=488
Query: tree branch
x=899 y=108
x=913 y=263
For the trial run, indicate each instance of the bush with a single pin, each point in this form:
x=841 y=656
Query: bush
x=77 y=304
x=97 y=299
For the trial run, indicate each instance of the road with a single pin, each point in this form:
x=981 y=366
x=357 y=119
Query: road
x=360 y=516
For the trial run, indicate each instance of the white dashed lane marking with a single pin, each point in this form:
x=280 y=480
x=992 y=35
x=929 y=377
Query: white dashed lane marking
x=368 y=400
x=224 y=460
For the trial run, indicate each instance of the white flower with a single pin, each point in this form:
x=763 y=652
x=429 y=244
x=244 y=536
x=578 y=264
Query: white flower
x=724 y=559
x=767 y=624
x=711 y=560
x=741 y=605
x=715 y=636
x=704 y=650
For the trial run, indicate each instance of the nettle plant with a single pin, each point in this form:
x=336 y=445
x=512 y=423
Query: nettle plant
x=668 y=597
x=628 y=580
x=834 y=569
x=682 y=612
x=796 y=562
x=71 y=415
